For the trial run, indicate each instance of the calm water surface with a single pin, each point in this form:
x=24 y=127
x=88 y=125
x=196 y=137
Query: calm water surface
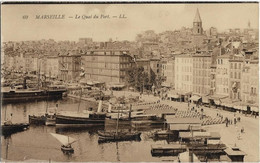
x=37 y=143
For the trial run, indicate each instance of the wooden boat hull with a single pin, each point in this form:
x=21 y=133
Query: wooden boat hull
x=67 y=149
x=50 y=122
x=13 y=128
x=37 y=120
x=198 y=149
x=68 y=120
x=20 y=96
x=112 y=136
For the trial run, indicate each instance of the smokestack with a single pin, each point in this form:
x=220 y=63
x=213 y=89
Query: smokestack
x=130 y=110
x=24 y=83
x=99 y=106
x=109 y=108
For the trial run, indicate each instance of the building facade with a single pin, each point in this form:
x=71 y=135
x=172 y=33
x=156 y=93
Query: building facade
x=106 y=65
x=222 y=75
x=201 y=74
x=69 y=67
x=236 y=64
x=169 y=73
x=213 y=73
x=183 y=73
x=52 y=66
x=250 y=82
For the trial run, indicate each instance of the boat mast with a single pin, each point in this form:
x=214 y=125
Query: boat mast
x=68 y=139
x=47 y=103
x=191 y=144
x=130 y=111
x=80 y=98
x=7 y=144
x=117 y=121
x=38 y=71
x=5 y=113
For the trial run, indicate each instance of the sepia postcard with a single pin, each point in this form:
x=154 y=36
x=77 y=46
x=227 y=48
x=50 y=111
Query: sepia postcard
x=129 y=81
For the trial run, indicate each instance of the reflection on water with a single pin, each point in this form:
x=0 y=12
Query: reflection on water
x=36 y=143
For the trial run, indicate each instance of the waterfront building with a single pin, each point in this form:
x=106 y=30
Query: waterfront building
x=249 y=82
x=213 y=73
x=52 y=66
x=69 y=67
x=236 y=64
x=169 y=73
x=8 y=62
x=222 y=75
x=107 y=66
x=156 y=66
x=183 y=76
x=31 y=63
x=145 y=63
x=201 y=74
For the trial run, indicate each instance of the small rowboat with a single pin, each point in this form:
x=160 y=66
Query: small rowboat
x=66 y=142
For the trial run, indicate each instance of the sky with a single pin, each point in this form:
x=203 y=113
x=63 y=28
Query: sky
x=139 y=18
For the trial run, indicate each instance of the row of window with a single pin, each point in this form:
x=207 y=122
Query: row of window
x=201 y=81
x=204 y=73
x=199 y=65
x=222 y=90
x=235 y=75
x=222 y=81
x=200 y=90
x=235 y=65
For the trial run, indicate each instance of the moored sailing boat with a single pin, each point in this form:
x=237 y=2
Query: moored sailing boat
x=66 y=142
x=8 y=127
x=87 y=118
x=117 y=135
x=49 y=118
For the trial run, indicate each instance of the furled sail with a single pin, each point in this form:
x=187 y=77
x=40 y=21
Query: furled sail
x=65 y=140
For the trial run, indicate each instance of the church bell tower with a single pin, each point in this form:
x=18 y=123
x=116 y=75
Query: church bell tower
x=197 y=24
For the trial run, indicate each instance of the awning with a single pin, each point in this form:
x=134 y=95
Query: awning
x=173 y=96
x=229 y=105
x=118 y=86
x=244 y=107
x=238 y=107
x=205 y=99
x=195 y=98
x=255 y=108
x=217 y=97
x=174 y=120
x=83 y=81
x=166 y=84
x=90 y=83
x=199 y=134
x=217 y=102
x=180 y=92
x=177 y=127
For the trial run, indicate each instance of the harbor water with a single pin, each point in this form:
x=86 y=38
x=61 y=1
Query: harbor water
x=36 y=143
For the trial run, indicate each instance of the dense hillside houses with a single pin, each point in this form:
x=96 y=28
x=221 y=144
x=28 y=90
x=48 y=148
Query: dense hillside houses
x=192 y=63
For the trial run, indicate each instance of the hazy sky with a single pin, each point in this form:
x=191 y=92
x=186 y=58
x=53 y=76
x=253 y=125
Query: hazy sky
x=140 y=17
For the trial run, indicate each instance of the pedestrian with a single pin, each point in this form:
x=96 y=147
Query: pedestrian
x=226 y=123
x=235 y=121
x=242 y=130
x=231 y=121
